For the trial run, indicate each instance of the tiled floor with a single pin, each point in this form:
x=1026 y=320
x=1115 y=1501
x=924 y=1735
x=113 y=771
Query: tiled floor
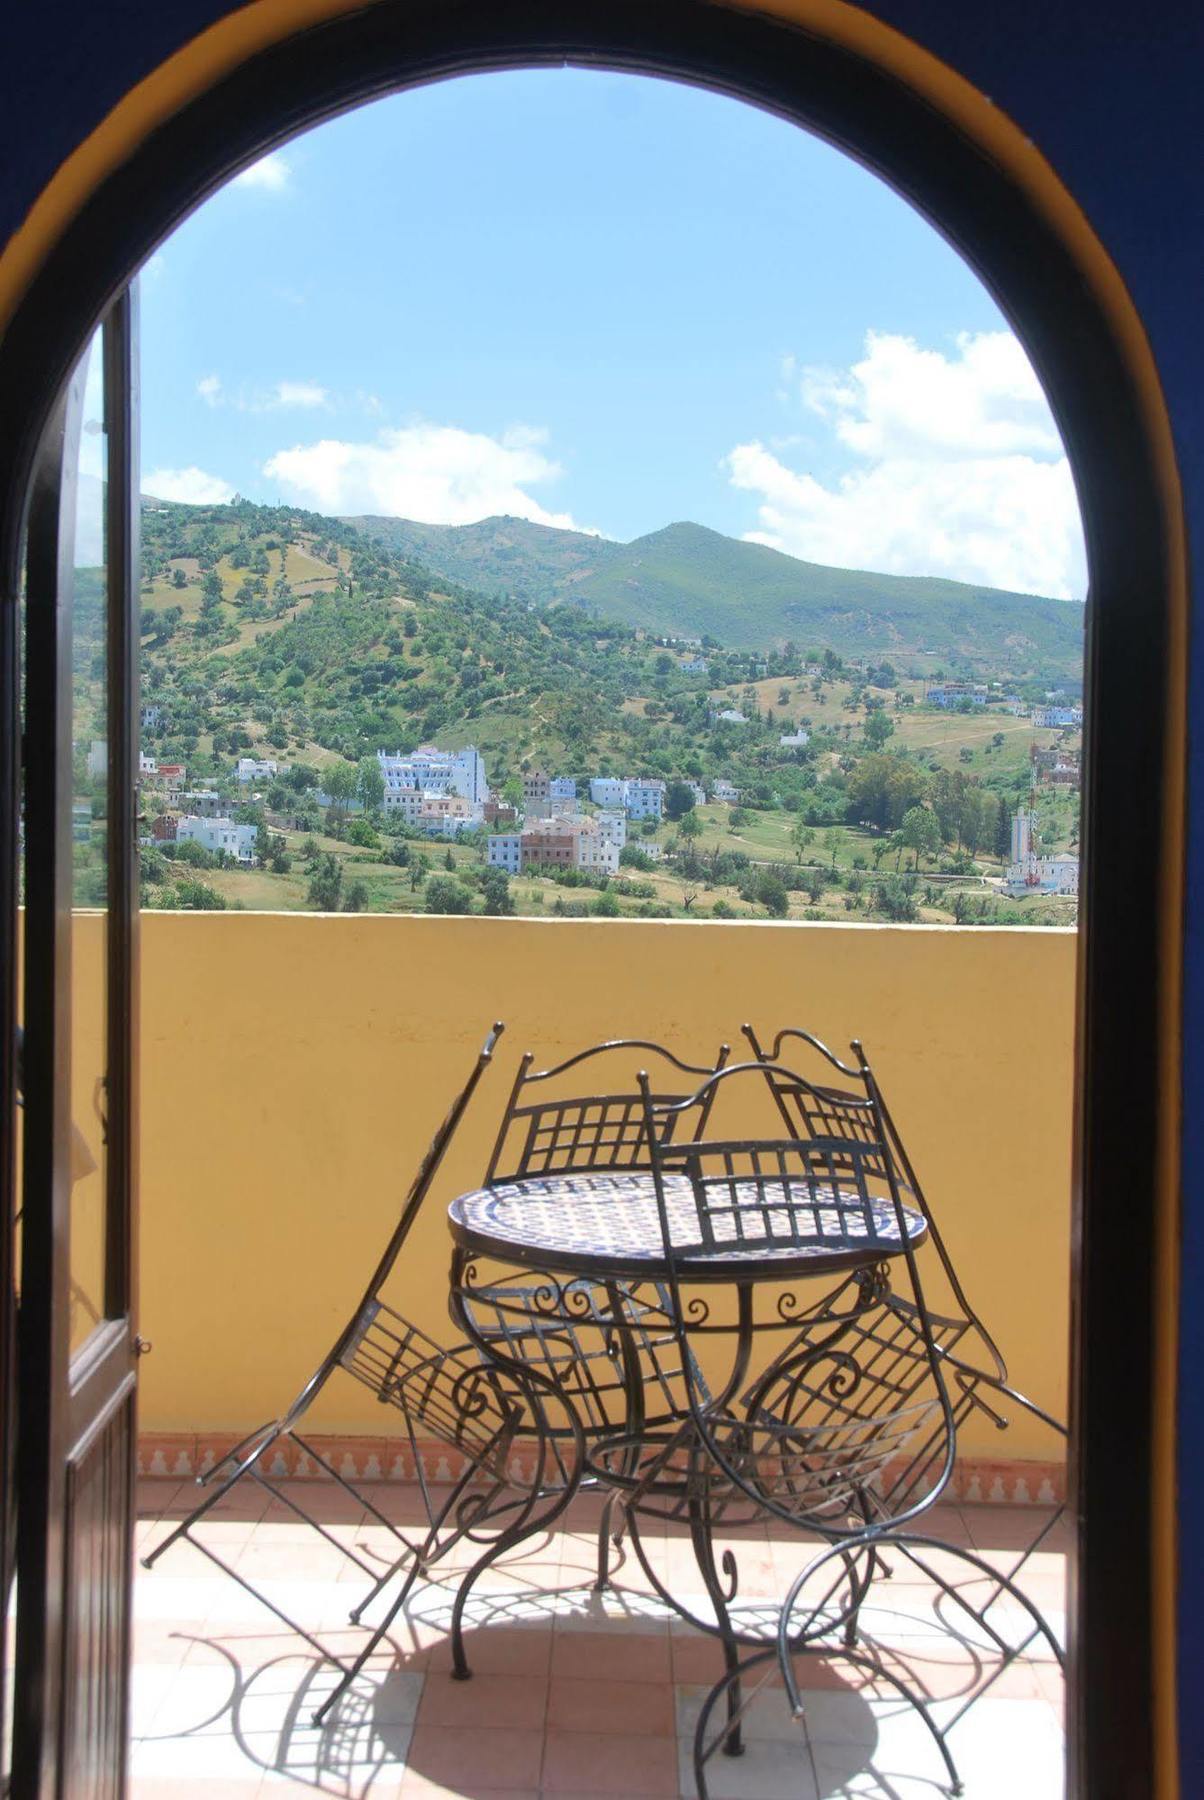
x=573 y=1693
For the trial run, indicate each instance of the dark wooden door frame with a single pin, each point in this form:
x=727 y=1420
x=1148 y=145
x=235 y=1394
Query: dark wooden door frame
x=1131 y=512
x=76 y=1445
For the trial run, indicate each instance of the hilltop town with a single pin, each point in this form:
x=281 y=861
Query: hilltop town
x=570 y=766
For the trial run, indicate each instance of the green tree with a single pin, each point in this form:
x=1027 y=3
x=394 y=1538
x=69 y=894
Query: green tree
x=198 y=896
x=894 y=897
x=326 y=884
x=444 y=894
x=878 y=727
x=802 y=836
x=340 y=782
x=679 y=800
x=881 y=789
x=369 y=784
x=495 y=886
x=691 y=826
x=920 y=833
x=356 y=899
x=772 y=894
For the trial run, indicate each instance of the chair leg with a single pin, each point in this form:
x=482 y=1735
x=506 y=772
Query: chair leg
x=733 y=1681
x=602 y=1578
x=266 y=1435
x=701 y=1525
x=787 y=1649
x=424 y=1554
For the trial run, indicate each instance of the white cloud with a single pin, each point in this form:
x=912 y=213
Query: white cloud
x=191 y=485
x=435 y=473
x=272 y=172
x=959 y=471
x=307 y=395
x=296 y=393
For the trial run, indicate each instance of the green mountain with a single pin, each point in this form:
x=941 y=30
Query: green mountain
x=532 y=562
x=688 y=581
x=297 y=633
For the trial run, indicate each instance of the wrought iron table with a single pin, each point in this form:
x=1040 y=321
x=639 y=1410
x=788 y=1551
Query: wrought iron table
x=606 y=1226
x=583 y=1254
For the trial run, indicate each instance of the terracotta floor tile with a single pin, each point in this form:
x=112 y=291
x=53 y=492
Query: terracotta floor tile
x=614 y=1656
x=176 y=1787
x=578 y=1762
x=415 y=1786
x=516 y=1701
x=640 y=1707
x=458 y=1758
x=500 y=1650
x=571 y=1690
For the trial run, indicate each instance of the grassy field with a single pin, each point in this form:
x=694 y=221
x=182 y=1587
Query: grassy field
x=390 y=888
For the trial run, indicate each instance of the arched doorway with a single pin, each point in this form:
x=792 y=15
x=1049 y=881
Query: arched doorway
x=973 y=177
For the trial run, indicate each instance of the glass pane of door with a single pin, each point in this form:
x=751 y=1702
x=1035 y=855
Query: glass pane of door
x=90 y=893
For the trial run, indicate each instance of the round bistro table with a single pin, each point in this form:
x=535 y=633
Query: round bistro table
x=586 y=1249
x=605 y=1225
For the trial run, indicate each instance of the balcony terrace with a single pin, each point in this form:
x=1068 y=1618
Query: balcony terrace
x=293 y=1070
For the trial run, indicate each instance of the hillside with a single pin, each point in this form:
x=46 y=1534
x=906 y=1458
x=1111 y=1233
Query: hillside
x=688 y=580
x=292 y=632
x=532 y=562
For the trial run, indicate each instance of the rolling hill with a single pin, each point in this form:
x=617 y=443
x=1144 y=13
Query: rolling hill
x=687 y=580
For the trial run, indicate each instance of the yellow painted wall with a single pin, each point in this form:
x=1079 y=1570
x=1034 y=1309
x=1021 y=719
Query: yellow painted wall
x=294 y=1068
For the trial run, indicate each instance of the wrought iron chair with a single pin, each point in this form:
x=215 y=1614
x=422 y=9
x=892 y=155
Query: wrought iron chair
x=608 y=1349
x=977 y=1379
x=440 y=1392
x=846 y=1433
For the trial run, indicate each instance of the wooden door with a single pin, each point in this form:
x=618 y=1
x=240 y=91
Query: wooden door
x=75 y=1342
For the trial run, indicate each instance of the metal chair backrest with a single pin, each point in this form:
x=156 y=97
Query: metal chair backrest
x=779 y=1192
x=906 y=1180
x=861 y=1386
x=420 y=1187
x=552 y=1127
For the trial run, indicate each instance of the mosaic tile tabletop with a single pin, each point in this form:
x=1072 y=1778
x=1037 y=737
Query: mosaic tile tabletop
x=610 y=1220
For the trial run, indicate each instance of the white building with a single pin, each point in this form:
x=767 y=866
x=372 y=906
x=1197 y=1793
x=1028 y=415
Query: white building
x=1060 y=717
x=252 y=768
x=693 y=665
x=613 y=827
x=437 y=771
x=644 y=799
x=698 y=791
x=1031 y=873
x=730 y=715
x=238 y=842
x=724 y=790
x=152 y=717
x=595 y=852
x=404 y=800
x=794 y=740
x=446 y=815
x=204 y=803
x=609 y=791
x=952 y=694
x=505 y=851
x=147 y=765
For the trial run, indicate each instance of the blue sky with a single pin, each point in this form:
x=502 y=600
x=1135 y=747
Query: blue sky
x=606 y=301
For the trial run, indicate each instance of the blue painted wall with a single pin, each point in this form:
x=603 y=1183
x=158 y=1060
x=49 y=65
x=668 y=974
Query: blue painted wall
x=1110 y=92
